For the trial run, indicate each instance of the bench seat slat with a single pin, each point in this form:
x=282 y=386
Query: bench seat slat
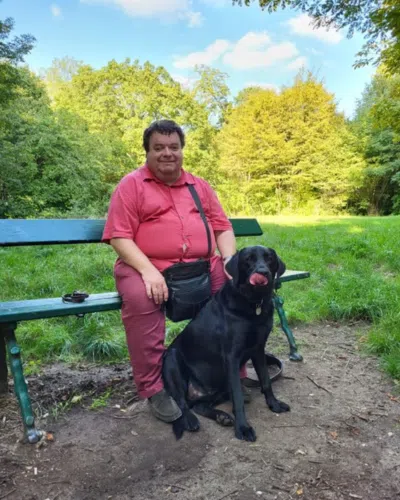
x=23 y=310
x=50 y=308
x=293 y=276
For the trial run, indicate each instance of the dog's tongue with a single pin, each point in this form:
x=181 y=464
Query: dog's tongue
x=258 y=279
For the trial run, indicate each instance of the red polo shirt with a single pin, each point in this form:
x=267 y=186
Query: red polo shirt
x=163 y=220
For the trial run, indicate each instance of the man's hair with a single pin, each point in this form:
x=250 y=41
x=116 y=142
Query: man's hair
x=165 y=127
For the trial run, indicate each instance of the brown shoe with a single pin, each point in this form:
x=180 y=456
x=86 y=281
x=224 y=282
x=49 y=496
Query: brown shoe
x=164 y=407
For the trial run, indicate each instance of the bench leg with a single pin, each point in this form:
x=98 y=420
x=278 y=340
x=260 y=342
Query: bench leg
x=294 y=355
x=3 y=365
x=32 y=435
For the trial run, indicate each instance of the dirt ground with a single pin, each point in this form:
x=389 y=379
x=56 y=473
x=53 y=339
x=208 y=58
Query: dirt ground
x=341 y=439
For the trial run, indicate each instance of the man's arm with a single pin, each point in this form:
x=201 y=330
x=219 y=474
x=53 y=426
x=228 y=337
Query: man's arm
x=224 y=235
x=131 y=254
x=226 y=243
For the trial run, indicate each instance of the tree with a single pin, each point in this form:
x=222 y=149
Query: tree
x=12 y=52
x=212 y=91
x=244 y=94
x=377 y=20
x=50 y=164
x=65 y=159
x=289 y=152
x=385 y=107
x=377 y=125
x=122 y=99
x=60 y=72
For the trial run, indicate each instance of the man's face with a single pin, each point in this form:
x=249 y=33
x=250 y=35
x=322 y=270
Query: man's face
x=165 y=156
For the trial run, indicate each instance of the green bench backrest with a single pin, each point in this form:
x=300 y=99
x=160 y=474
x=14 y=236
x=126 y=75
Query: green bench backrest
x=22 y=232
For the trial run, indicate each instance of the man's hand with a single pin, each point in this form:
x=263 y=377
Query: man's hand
x=156 y=287
x=154 y=281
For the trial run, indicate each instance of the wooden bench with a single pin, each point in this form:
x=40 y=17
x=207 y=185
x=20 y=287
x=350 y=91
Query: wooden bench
x=20 y=232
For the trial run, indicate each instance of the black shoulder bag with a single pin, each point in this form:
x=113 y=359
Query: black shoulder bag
x=189 y=283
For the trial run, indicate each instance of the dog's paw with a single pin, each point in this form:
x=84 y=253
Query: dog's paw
x=178 y=426
x=277 y=406
x=192 y=423
x=245 y=433
x=186 y=422
x=224 y=419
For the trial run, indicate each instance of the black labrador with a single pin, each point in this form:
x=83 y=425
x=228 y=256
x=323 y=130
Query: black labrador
x=201 y=366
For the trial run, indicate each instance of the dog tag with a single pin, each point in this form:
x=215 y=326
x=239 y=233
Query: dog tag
x=258 y=310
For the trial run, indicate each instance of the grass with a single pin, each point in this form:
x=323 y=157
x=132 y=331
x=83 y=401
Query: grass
x=354 y=264
x=101 y=401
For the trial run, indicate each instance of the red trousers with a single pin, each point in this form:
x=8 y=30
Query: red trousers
x=144 y=324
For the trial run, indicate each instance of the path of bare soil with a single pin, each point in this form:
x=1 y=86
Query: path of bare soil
x=341 y=439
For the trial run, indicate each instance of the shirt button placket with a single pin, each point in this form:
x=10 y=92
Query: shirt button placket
x=182 y=218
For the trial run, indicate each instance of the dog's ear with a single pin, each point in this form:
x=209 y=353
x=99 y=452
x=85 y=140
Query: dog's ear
x=232 y=268
x=281 y=267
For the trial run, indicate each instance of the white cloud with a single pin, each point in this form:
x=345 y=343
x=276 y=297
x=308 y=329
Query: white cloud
x=211 y=54
x=180 y=9
x=302 y=25
x=253 y=41
x=298 y=63
x=265 y=86
x=55 y=10
x=253 y=50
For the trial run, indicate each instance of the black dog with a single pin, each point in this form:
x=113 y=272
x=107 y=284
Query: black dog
x=201 y=367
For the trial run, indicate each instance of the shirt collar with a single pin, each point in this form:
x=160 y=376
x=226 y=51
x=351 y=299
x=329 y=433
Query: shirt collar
x=185 y=177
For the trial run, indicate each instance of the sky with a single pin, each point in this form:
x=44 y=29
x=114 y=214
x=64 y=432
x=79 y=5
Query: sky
x=249 y=45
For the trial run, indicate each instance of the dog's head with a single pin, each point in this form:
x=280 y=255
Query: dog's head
x=254 y=269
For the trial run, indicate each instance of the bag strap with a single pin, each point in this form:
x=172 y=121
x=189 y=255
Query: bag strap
x=196 y=198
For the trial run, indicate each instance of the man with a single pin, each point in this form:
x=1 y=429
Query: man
x=152 y=224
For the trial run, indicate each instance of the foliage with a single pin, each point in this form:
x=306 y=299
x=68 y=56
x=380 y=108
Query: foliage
x=377 y=20
x=355 y=276
x=67 y=138
x=377 y=125
x=11 y=53
x=60 y=72
x=305 y=164
x=212 y=91
x=124 y=98
x=385 y=108
x=50 y=163
x=101 y=401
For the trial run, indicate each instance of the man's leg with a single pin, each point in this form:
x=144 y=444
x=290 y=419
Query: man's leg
x=144 y=324
x=218 y=278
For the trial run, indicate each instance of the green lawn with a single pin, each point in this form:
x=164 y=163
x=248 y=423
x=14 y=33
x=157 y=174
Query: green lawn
x=354 y=264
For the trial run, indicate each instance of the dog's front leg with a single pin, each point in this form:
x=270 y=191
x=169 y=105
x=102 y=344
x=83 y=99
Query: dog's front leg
x=260 y=366
x=242 y=428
